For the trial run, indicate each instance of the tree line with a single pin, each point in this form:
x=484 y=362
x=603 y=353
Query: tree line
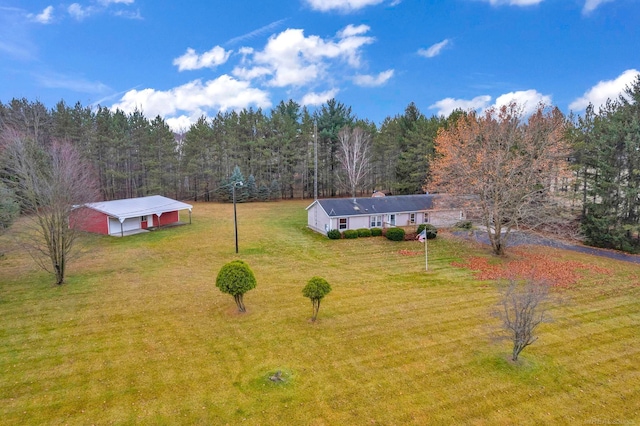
x=594 y=160
x=136 y=156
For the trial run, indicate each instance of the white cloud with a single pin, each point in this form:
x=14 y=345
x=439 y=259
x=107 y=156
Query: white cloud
x=448 y=105
x=211 y=59
x=79 y=12
x=527 y=99
x=318 y=98
x=351 y=30
x=434 y=50
x=605 y=89
x=341 y=5
x=223 y=93
x=373 y=81
x=250 y=73
x=45 y=17
x=295 y=60
x=591 y=5
x=514 y=2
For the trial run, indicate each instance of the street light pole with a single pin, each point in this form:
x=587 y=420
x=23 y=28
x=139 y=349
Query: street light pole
x=235 y=217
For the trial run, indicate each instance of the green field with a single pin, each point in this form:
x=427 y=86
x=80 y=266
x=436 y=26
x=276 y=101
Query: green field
x=139 y=334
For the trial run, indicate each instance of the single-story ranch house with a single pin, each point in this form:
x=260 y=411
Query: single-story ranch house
x=382 y=212
x=128 y=216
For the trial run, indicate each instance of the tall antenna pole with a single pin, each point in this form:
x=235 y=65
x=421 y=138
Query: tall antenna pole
x=315 y=149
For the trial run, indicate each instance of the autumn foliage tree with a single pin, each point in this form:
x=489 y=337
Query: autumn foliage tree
x=506 y=166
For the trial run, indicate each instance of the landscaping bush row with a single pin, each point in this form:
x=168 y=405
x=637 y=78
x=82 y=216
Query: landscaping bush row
x=393 y=234
x=334 y=234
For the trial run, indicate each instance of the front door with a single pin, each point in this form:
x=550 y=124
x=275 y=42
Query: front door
x=143 y=222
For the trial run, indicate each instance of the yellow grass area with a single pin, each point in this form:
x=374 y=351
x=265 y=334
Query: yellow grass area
x=139 y=334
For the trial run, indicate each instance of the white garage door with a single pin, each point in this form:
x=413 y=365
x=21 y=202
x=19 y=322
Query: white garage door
x=128 y=225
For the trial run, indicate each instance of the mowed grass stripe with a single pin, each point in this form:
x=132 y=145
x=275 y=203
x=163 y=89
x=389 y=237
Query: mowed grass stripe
x=140 y=334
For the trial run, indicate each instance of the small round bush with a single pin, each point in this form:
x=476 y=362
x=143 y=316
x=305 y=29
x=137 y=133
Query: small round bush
x=376 y=232
x=395 y=234
x=236 y=278
x=316 y=289
x=364 y=232
x=350 y=234
x=334 y=234
x=432 y=231
x=464 y=224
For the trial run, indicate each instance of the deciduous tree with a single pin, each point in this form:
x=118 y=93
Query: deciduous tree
x=48 y=182
x=508 y=165
x=354 y=155
x=523 y=307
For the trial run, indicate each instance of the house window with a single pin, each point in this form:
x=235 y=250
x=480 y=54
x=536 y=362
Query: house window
x=426 y=218
x=143 y=218
x=342 y=223
x=376 y=221
x=392 y=219
x=412 y=218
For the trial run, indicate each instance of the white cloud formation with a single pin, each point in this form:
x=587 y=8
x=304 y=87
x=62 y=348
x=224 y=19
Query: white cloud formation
x=605 y=89
x=448 y=105
x=591 y=5
x=223 y=93
x=79 y=12
x=295 y=60
x=341 y=5
x=314 y=99
x=211 y=59
x=527 y=99
x=44 y=17
x=435 y=49
x=373 y=81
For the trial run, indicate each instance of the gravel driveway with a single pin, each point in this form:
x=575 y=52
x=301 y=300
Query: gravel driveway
x=518 y=238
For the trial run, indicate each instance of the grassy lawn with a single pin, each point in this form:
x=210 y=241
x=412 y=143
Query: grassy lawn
x=139 y=334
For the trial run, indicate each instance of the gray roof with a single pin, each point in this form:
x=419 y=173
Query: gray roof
x=376 y=205
x=142 y=206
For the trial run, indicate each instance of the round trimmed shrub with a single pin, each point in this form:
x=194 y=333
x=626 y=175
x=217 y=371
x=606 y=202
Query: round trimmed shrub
x=236 y=278
x=350 y=234
x=395 y=234
x=376 y=232
x=316 y=289
x=364 y=232
x=334 y=234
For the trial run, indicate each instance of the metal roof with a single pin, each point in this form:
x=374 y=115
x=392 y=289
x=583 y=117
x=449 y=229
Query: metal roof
x=376 y=205
x=142 y=206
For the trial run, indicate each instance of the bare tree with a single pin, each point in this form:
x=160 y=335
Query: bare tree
x=354 y=155
x=523 y=307
x=509 y=165
x=48 y=183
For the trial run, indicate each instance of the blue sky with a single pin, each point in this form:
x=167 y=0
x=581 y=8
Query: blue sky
x=186 y=59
